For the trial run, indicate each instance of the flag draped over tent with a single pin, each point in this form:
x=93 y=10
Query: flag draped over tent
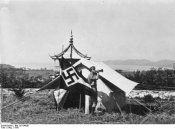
x=70 y=79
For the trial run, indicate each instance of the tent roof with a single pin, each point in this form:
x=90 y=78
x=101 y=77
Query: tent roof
x=112 y=76
x=108 y=74
x=72 y=47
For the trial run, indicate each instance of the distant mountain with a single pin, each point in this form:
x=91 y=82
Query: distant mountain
x=6 y=66
x=142 y=62
x=165 y=63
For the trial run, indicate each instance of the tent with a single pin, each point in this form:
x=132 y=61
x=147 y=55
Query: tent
x=112 y=87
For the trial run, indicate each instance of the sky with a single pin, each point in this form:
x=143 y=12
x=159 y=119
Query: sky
x=31 y=30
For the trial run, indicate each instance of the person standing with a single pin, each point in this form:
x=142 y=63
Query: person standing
x=92 y=80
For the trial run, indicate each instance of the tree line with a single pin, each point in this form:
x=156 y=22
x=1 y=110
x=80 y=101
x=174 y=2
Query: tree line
x=18 y=78
x=155 y=78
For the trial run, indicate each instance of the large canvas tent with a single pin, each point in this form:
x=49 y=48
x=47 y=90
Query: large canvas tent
x=112 y=87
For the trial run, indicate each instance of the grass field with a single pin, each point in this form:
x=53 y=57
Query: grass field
x=39 y=109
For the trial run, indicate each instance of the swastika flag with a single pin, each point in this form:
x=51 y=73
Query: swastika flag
x=70 y=75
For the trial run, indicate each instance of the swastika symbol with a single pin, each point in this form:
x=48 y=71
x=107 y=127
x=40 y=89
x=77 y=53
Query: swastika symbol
x=70 y=76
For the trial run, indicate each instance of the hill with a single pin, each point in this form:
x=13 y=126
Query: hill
x=6 y=66
x=141 y=62
x=44 y=73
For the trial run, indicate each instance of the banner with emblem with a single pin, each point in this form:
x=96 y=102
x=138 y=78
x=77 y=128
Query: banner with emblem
x=70 y=74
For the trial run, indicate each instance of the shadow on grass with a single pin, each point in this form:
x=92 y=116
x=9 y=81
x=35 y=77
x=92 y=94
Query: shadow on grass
x=137 y=109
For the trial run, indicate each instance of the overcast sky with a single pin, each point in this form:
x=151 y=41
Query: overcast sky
x=102 y=29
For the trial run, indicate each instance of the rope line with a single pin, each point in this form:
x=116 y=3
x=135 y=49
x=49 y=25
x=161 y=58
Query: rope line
x=24 y=97
x=120 y=110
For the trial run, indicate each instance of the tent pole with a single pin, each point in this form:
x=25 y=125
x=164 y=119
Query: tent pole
x=87 y=98
x=80 y=103
x=120 y=110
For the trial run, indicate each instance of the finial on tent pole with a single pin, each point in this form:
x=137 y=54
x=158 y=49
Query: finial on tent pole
x=71 y=39
x=71 y=44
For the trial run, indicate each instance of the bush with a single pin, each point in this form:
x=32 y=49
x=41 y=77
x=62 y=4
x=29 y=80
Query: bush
x=171 y=98
x=148 y=98
x=19 y=92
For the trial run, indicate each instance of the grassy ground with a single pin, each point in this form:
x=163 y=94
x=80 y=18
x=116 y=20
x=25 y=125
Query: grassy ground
x=39 y=109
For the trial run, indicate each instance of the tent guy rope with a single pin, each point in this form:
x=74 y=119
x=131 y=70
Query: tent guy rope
x=19 y=100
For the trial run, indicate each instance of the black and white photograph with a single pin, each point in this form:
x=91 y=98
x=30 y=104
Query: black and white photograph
x=87 y=62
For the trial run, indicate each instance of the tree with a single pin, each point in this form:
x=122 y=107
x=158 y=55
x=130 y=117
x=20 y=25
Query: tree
x=3 y=78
